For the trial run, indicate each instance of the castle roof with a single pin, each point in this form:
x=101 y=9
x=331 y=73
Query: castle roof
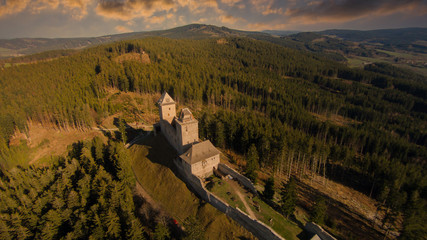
x=165 y=99
x=186 y=115
x=199 y=152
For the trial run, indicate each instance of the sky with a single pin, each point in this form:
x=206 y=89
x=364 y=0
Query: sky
x=89 y=18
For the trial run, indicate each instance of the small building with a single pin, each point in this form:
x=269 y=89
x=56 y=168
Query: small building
x=195 y=157
x=201 y=159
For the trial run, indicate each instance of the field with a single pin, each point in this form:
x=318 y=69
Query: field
x=410 y=60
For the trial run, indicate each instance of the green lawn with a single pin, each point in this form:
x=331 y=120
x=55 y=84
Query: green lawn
x=284 y=227
x=226 y=193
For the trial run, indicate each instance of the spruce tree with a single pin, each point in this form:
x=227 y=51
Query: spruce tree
x=289 y=197
x=269 y=188
x=252 y=163
x=318 y=212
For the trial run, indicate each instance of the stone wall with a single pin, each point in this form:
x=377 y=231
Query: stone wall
x=169 y=133
x=201 y=170
x=316 y=229
x=257 y=228
x=239 y=177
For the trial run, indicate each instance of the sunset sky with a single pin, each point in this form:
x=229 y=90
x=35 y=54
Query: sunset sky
x=86 y=18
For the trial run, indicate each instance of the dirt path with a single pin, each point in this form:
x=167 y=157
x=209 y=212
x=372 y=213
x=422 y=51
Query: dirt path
x=236 y=189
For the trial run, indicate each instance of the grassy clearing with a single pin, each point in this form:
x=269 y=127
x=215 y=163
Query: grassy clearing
x=263 y=212
x=223 y=190
x=396 y=54
x=335 y=119
x=355 y=62
x=266 y=214
x=152 y=162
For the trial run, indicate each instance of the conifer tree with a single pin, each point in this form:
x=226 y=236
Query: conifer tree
x=252 y=163
x=289 y=197
x=193 y=229
x=161 y=232
x=269 y=188
x=318 y=212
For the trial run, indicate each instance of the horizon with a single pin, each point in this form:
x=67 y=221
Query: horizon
x=93 y=18
x=260 y=31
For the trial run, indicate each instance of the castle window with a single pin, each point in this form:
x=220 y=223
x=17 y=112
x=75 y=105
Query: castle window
x=169 y=109
x=186 y=129
x=168 y=114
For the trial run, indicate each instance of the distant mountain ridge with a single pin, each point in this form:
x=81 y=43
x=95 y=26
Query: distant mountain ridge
x=411 y=39
x=25 y=46
x=397 y=36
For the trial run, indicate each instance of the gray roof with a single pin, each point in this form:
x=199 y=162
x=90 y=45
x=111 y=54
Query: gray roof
x=186 y=115
x=165 y=99
x=199 y=152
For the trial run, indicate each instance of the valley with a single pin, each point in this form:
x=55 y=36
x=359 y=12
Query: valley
x=353 y=137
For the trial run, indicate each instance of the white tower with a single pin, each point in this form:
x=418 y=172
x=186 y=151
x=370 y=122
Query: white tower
x=167 y=108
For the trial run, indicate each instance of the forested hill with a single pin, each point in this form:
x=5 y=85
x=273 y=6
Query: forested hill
x=384 y=36
x=25 y=46
x=410 y=39
x=364 y=127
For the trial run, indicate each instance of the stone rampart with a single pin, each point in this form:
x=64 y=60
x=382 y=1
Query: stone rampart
x=257 y=228
x=239 y=177
x=316 y=229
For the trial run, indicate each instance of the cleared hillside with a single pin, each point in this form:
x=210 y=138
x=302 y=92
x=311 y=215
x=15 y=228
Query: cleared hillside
x=152 y=163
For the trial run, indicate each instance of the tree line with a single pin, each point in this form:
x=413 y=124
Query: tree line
x=257 y=93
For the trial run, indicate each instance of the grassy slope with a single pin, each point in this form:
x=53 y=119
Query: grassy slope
x=284 y=227
x=151 y=163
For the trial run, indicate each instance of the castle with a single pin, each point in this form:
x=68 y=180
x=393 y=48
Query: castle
x=195 y=157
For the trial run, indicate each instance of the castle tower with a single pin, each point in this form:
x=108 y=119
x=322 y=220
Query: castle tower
x=187 y=130
x=167 y=108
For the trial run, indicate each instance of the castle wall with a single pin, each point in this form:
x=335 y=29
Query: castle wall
x=242 y=179
x=319 y=231
x=170 y=134
x=257 y=228
x=205 y=168
x=188 y=133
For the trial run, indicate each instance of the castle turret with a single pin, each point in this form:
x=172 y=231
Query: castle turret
x=187 y=130
x=167 y=108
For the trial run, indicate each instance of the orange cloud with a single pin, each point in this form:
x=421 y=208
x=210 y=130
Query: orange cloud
x=122 y=29
x=228 y=19
x=77 y=8
x=130 y=9
x=230 y=2
x=156 y=19
x=14 y=6
x=266 y=7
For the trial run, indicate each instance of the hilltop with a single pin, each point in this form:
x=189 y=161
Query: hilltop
x=302 y=114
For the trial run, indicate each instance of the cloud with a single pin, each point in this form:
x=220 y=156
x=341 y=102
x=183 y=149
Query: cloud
x=122 y=29
x=40 y=5
x=267 y=7
x=228 y=19
x=129 y=9
x=77 y=8
x=230 y=2
x=347 y=10
x=10 y=7
x=156 y=19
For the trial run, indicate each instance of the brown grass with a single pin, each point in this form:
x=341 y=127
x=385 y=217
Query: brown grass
x=139 y=57
x=45 y=141
x=335 y=119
